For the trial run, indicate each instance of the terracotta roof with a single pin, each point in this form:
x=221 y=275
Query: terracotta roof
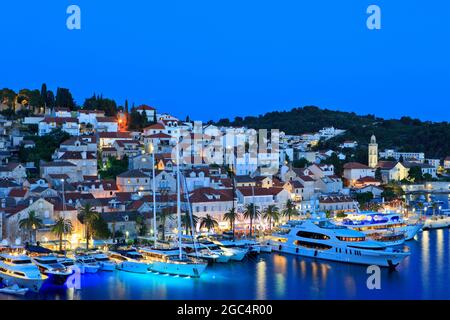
x=258 y=191
x=306 y=178
x=9 y=167
x=18 y=193
x=355 y=165
x=76 y=155
x=74 y=196
x=160 y=135
x=145 y=107
x=367 y=180
x=59 y=120
x=210 y=195
x=114 y=135
x=386 y=165
x=156 y=126
x=297 y=184
x=58 y=164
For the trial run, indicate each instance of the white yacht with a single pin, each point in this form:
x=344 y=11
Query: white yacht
x=438 y=221
x=376 y=222
x=388 y=238
x=200 y=252
x=238 y=250
x=86 y=263
x=169 y=261
x=21 y=271
x=106 y=264
x=224 y=256
x=322 y=239
x=49 y=266
x=129 y=260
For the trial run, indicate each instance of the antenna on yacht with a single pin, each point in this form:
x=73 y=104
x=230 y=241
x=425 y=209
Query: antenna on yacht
x=178 y=200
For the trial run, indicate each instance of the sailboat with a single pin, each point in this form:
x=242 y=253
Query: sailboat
x=173 y=260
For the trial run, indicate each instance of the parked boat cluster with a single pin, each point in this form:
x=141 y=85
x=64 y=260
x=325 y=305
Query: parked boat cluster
x=368 y=238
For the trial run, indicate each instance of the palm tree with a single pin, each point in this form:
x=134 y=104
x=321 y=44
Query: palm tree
x=140 y=225
x=271 y=213
x=209 y=223
x=231 y=216
x=88 y=216
x=251 y=213
x=420 y=206
x=186 y=222
x=166 y=213
x=62 y=227
x=290 y=209
x=31 y=224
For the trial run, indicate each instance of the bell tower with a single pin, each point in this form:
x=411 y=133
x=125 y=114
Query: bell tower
x=373 y=152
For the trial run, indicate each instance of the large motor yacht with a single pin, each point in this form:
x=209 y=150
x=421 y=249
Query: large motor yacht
x=376 y=222
x=20 y=270
x=48 y=264
x=322 y=239
x=129 y=260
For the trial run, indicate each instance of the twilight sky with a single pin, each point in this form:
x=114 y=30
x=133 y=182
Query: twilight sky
x=221 y=58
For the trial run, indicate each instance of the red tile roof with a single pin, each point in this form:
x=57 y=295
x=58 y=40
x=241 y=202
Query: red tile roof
x=355 y=165
x=18 y=193
x=145 y=107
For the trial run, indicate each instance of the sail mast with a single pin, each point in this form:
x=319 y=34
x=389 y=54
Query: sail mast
x=154 y=194
x=178 y=201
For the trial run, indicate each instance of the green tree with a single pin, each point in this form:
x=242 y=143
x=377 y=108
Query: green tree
x=364 y=197
x=251 y=213
x=166 y=213
x=186 y=222
x=231 y=216
x=62 y=227
x=415 y=174
x=290 y=209
x=64 y=99
x=208 y=222
x=31 y=224
x=271 y=213
x=88 y=216
x=141 y=228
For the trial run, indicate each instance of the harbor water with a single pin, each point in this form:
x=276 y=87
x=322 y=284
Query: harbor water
x=423 y=275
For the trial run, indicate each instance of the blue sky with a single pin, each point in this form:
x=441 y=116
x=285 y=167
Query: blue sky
x=223 y=58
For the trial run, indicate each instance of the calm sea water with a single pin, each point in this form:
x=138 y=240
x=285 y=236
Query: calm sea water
x=424 y=275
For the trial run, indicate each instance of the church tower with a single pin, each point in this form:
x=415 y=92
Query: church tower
x=373 y=152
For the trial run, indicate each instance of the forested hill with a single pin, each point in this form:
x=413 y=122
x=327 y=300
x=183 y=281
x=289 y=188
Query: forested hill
x=405 y=134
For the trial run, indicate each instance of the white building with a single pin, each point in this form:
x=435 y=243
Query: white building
x=69 y=125
x=407 y=156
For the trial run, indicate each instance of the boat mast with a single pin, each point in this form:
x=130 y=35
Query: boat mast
x=154 y=194
x=178 y=201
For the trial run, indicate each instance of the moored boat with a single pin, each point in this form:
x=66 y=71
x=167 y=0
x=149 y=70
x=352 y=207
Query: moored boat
x=21 y=271
x=322 y=239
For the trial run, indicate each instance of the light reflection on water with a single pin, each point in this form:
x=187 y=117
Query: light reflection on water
x=425 y=274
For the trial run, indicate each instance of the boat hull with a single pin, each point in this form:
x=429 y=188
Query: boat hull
x=437 y=223
x=193 y=270
x=105 y=266
x=33 y=285
x=134 y=267
x=356 y=256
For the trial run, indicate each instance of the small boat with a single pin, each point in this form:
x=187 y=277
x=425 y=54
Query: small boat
x=14 y=290
x=19 y=270
x=129 y=260
x=237 y=251
x=86 y=263
x=437 y=222
x=106 y=264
